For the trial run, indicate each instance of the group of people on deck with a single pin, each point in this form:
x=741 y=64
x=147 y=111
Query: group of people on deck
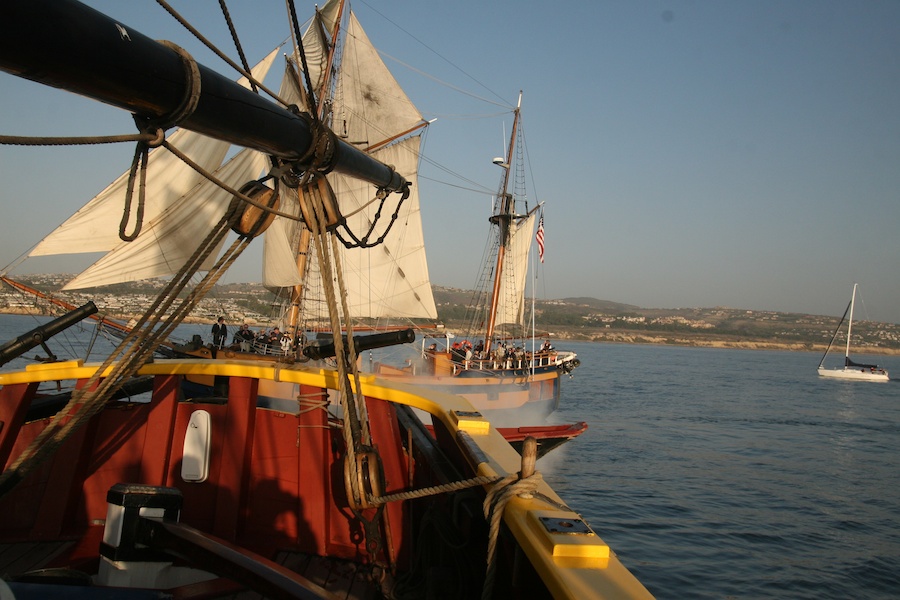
x=245 y=339
x=464 y=351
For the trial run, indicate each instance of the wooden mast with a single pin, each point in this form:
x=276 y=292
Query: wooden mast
x=303 y=245
x=503 y=219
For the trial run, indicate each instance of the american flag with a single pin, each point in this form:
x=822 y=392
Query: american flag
x=540 y=238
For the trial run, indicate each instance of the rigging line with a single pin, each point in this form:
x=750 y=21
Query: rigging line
x=134 y=349
x=225 y=186
x=467 y=117
x=442 y=82
x=485 y=191
x=21 y=140
x=311 y=96
x=237 y=42
x=352 y=353
x=433 y=51
x=218 y=52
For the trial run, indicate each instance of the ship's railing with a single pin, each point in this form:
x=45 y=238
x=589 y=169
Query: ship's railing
x=526 y=361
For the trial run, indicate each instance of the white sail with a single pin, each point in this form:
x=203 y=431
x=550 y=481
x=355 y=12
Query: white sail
x=280 y=245
x=368 y=109
x=511 y=295
x=373 y=107
x=279 y=267
x=95 y=227
x=317 y=40
x=168 y=241
x=391 y=279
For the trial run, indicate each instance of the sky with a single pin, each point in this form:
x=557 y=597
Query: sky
x=689 y=153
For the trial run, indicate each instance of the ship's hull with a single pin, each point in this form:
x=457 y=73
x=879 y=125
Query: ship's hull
x=509 y=393
x=258 y=485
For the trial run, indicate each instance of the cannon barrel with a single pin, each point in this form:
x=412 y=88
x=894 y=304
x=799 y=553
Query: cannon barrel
x=38 y=335
x=320 y=349
x=65 y=44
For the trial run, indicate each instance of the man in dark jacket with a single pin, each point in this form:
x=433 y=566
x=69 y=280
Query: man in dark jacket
x=220 y=333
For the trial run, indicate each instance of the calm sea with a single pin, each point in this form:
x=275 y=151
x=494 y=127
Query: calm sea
x=735 y=473
x=719 y=473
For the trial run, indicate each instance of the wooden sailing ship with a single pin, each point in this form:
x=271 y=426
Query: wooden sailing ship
x=220 y=496
x=387 y=281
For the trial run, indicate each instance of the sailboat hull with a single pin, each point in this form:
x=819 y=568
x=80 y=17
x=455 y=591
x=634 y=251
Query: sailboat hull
x=851 y=370
x=855 y=374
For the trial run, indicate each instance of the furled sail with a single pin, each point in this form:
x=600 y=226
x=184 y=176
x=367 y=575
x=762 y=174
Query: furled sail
x=95 y=227
x=511 y=296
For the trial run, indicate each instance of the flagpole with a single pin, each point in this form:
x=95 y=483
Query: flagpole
x=540 y=241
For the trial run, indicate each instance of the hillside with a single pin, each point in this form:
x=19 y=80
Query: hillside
x=588 y=319
x=591 y=319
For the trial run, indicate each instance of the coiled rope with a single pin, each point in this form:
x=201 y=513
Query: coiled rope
x=497 y=498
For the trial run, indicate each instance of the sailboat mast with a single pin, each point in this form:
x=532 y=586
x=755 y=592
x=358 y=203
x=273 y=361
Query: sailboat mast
x=304 y=244
x=850 y=324
x=502 y=219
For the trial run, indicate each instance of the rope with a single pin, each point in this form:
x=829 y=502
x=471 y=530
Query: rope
x=192 y=87
x=351 y=345
x=494 y=503
x=306 y=406
x=218 y=52
x=141 y=157
x=315 y=223
x=226 y=187
x=135 y=349
x=433 y=490
x=20 y=140
x=237 y=42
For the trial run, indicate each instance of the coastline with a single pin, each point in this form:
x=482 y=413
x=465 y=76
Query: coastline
x=700 y=341
x=609 y=337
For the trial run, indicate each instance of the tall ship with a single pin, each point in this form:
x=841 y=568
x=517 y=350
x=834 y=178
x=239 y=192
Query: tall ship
x=497 y=360
x=381 y=247
x=338 y=491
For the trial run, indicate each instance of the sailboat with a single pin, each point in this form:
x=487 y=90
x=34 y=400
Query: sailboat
x=851 y=369
x=220 y=496
x=491 y=362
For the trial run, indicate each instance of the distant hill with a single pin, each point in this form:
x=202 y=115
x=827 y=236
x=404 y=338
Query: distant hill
x=605 y=305
x=580 y=318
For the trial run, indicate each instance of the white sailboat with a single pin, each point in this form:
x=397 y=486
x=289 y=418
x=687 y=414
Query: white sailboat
x=851 y=370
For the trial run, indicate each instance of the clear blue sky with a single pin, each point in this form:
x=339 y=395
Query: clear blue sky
x=742 y=154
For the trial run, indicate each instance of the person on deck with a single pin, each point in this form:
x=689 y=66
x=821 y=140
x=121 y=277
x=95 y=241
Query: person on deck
x=219 y=333
x=244 y=337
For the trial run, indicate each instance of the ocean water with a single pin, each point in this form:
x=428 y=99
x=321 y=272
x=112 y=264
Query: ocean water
x=715 y=473
x=735 y=473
